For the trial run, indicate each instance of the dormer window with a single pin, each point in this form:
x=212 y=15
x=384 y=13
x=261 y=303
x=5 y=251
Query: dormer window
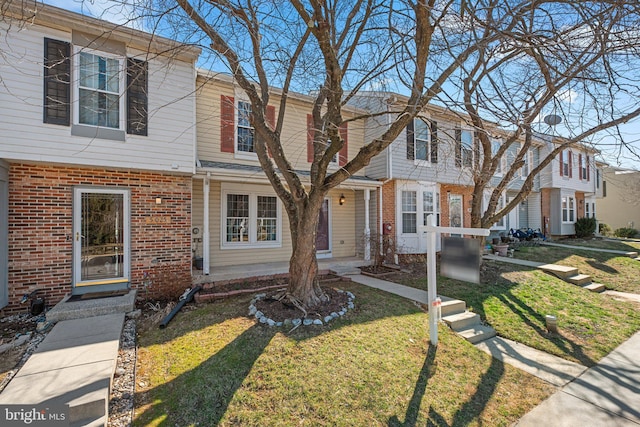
x=245 y=135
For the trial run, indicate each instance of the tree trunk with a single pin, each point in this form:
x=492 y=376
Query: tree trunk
x=303 y=266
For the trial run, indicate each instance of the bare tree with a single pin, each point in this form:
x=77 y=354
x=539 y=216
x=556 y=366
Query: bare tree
x=506 y=61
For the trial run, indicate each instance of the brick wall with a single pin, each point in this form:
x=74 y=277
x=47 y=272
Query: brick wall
x=41 y=225
x=389 y=206
x=545 y=202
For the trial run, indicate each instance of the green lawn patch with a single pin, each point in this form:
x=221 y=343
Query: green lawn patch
x=514 y=300
x=374 y=366
x=616 y=272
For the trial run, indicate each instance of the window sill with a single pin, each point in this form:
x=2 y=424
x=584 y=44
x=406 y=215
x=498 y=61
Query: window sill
x=425 y=163
x=245 y=155
x=232 y=246
x=98 y=132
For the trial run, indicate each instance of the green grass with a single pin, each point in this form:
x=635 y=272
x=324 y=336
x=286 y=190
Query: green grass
x=514 y=300
x=214 y=366
x=616 y=272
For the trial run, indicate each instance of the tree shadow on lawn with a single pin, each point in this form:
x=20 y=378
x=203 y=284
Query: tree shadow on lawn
x=203 y=394
x=500 y=288
x=599 y=265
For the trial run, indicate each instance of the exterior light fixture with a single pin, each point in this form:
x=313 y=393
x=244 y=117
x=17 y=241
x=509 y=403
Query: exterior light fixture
x=342 y=199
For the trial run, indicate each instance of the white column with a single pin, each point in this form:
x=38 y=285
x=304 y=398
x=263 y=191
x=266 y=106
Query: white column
x=367 y=231
x=205 y=234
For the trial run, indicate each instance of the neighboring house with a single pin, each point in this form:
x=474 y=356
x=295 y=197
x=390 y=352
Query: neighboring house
x=568 y=187
x=236 y=213
x=429 y=169
x=620 y=203
x=97 y=156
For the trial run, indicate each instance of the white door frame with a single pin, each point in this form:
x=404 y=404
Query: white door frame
x=121 y=281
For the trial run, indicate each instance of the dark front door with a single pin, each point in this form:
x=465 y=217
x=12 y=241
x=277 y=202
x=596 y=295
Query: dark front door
x=323 y=241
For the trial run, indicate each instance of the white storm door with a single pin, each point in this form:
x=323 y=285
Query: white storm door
x=101 y=236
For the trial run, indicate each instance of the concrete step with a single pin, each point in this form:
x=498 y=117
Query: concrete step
x=595 y=287
x=632 y=255
x=453 y=306
x=477 y=333
x=560 y=271
x=579 y=279
x=345 y=271
x=461 y=321
x=69 y=310
x=638 y=259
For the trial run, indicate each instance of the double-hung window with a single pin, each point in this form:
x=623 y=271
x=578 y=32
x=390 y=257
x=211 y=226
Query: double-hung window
x=528 y=164
x=100 y=97
x=430 y=206
x=250 y=219
x=409 y=212
x=466 y=148
x=565 y=163
x=422 y=141
x=245 y=132
x=568 y=209
x=495 y=146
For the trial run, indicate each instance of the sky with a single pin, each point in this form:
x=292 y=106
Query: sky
x=116 y=12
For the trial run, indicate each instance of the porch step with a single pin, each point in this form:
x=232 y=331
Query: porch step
x=638 y=259
x=579 y=279
x=345 y=271
x=477 y=333
x=462 y=321
x=632 y=255
x=560 y=271
x=595 y=287
x=453 y=306
x=73 y=366
x=69 y=310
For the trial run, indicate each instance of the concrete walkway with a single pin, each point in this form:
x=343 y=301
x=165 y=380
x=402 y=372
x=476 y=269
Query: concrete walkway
x=607 y=394
x=72 y=366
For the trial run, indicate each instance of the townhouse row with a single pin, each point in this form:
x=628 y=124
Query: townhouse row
x=120 y=158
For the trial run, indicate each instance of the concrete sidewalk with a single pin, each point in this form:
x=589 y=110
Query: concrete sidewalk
x=607 y=394
x=630 y=254
x=73 y=366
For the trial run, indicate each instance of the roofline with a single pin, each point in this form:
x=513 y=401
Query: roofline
x=57 y=18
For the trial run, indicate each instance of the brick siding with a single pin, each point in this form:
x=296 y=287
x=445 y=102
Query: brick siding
x=41 y=225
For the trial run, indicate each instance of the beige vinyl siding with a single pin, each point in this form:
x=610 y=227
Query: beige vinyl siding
x=171 y=134
x=294 y=130
x=343 y=238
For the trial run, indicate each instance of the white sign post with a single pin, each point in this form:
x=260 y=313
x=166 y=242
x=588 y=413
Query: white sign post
x=432 y=293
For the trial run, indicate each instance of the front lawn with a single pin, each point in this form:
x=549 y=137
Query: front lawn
x=514 y=300
x=374 y=366
x=616 y=272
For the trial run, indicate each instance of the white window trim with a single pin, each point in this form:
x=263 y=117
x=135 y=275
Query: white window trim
x=416 y=160
x=565 y=174
x=122 y=119
x=402 y=211
x=462 y=148
x=419 y=187
x=528 y=158
x=568 y=221
x=243 y=155
x=253 y=194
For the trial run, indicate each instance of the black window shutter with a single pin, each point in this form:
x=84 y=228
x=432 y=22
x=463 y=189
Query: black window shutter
x=137 y=101
x=411 y=154
x=57 y=78
x=458 y=148
x=434 y=142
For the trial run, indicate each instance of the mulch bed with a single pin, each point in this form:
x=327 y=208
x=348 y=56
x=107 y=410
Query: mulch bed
x=278 y=311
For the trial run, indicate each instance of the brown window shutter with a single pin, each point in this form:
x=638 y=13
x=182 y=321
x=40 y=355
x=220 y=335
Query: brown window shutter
x=227 y=124
x=458 y=148
x=137 y=100
x=343 y=155
x=57 y=79
x=434 y=142
x=580 y=166
x=411 y=141
x=310 y=136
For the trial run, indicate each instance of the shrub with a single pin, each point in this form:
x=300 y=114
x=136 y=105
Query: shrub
x=605 y=230
x=626 y=232
x=585 y=227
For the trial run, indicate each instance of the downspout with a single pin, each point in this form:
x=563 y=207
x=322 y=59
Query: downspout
x=205 y=235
